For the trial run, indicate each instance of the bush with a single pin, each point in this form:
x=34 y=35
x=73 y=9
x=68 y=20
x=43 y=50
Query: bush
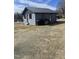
x=18 y=17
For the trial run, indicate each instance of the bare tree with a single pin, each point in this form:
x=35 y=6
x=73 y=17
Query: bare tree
x=61 y=7
x=18 y=17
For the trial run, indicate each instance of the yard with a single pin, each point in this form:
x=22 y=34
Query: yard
x=39 y=42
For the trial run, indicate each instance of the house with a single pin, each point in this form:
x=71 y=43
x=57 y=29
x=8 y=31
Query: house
x=38 y=16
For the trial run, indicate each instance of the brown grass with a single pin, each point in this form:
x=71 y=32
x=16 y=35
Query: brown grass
x=39 y=42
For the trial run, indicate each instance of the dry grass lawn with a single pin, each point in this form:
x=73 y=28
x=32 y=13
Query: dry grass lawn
x=39 y=42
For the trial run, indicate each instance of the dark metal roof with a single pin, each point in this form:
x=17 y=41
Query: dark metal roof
x=39 y=10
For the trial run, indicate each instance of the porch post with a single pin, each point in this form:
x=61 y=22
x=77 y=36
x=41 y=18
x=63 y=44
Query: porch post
x=27 y=19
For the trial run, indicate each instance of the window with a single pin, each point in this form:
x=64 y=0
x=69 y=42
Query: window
x=30 y=16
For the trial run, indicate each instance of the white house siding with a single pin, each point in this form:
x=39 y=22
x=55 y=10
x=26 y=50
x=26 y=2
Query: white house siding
x=25 y=19
x=32 y=21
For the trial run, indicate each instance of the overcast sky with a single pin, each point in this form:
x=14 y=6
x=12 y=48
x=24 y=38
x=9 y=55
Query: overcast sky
x=20 y=4
x=49 y=2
